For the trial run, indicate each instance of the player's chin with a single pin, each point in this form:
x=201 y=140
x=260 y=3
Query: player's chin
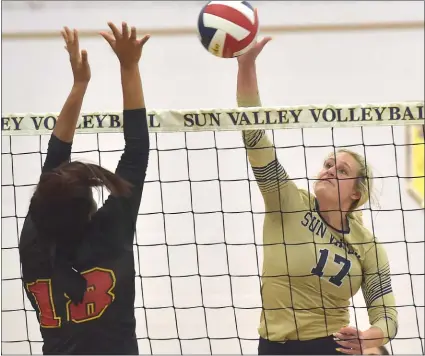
x=326 y=193
x=323 y=188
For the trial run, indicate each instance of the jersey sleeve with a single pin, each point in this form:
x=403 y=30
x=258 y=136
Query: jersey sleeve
x=278 y=191
x=58 y=152
x=378 y=292
x=132 y=167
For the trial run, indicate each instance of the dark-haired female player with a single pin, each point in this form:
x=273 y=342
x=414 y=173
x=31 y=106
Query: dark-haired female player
x=77 y=261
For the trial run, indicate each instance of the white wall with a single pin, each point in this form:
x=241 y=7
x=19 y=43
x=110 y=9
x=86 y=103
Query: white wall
x=178 y=73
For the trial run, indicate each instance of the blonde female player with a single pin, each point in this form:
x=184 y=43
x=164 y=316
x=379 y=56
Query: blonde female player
x=317 y=254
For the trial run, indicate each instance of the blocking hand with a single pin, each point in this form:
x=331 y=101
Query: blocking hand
x=125 y=44
x=79 y=62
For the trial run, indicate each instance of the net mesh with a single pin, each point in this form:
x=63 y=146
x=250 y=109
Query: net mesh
x=198 y=245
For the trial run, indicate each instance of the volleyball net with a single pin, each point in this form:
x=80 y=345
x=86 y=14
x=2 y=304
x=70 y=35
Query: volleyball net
x=198 y=243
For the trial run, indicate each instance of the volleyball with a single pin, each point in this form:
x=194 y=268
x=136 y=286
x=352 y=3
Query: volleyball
x=228 y=29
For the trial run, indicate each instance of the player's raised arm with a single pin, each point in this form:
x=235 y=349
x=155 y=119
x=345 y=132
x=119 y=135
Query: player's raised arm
x=78 y=261
x=269 y=173
x=59 y=149
x=134 y=160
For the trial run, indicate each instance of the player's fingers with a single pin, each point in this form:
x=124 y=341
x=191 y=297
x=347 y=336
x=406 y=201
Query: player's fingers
x=346 y=336
x=124 y=30
x=64 y=35
x=84 y=56
x=348 y=351
x=349 y=330
x=108 y=37
x=267 y=39
x=263 y=42
x=339 y=336
x=133 y=33
x=76 y=40
x=346 y=344
x=144 y=40
x=227 y=53
x=69 y=34
x=75 y=44
x=114 y=30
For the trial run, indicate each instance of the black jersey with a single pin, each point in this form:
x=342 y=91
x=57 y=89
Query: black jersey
x=104 y=322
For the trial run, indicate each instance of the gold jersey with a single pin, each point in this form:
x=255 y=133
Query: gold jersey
x=311 y=270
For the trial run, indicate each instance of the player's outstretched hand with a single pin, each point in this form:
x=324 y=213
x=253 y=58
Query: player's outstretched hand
x=253 y=53
x=79 y=62
x=125 y=44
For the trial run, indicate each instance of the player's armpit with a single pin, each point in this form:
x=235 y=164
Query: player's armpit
x=378 y=293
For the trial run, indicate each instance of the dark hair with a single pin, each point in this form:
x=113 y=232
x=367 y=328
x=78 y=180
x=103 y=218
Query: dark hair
x=60 y=210
x=62 y=202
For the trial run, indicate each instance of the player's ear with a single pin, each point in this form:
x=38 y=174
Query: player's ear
x=356 y=195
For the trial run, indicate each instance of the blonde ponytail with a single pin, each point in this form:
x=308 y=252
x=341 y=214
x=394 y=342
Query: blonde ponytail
x=357 y=216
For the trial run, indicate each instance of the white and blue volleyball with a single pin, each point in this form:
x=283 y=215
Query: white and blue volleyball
x=228 y=29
